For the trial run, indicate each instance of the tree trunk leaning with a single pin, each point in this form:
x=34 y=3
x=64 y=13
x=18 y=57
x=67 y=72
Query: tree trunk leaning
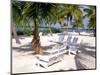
x=15 y=33
x=36 y=41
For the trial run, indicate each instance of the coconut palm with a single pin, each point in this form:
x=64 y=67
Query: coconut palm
x=18 y=19
x=40 y=12
x=15 y=19
x=37 y=12
x=91 y=13
x=73 y=12
x=55 y=16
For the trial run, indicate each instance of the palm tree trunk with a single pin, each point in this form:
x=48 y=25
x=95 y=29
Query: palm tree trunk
x=36 y=40
x=67 y=28
x=50 y=29
x=14 y=33
x=78 y=30
x=94 y=32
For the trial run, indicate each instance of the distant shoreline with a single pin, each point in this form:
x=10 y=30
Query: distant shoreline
x=42 y=29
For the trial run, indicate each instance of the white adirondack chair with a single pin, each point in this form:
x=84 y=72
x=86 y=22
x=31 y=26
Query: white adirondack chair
x=59 y=42
x=53 y=57
x=68 y=41
x=57 y=38
x=73 y=46
x=61 y=38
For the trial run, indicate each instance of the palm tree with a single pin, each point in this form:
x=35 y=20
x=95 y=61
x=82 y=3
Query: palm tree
x=37 y=12
x=18 y=19
x=40 y=12
x=91 y=13
x=15 y=19
x=55 y=16
x=73 y=12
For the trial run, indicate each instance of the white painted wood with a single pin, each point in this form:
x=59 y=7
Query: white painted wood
x=54 y=56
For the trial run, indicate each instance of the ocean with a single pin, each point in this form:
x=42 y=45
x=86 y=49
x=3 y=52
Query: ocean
x=41 y=29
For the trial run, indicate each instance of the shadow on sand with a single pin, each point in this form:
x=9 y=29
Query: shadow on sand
x=27 y=48
x=81 y=59
x=89 y=35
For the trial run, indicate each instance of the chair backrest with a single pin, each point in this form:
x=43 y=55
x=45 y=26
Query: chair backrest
x=69 y=39
x=61 y=37
x=74 y=42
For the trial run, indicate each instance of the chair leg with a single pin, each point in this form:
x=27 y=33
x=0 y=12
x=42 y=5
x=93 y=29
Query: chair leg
x=72 y=51
x=69 y=52
x=37 y=64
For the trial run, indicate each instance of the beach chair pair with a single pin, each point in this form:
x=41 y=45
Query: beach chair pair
x=57 y=54
x=70 y=43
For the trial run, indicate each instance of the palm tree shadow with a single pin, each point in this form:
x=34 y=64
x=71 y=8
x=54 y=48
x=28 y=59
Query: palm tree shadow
x=88 y=50
x=27 y=48
x=82 y=57
x=79 y=65
x=24 y=48
x=90 y=35
x=47 y=47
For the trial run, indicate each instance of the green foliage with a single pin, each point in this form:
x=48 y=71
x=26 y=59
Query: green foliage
x=37 y=13
x=28 y=32
x=20 y=33
x=54 y=30
x=91 y=13
x=25 y=32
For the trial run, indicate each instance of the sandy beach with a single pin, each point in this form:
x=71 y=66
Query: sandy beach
x=23 y=58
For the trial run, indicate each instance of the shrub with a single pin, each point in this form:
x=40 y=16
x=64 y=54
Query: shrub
x=20 y=33
x=54 y=30
x=25 y=32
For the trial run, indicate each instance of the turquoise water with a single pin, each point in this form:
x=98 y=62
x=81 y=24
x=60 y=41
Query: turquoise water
x=81 y=30
x=68 y=29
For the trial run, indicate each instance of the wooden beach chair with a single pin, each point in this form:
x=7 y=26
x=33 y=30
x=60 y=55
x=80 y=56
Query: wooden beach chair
x=59 y=39
x=68 y=41
x=73 y=46
x=63 y=42
x=53 y=57
x=59 y=42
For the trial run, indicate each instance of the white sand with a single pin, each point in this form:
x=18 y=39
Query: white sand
x=23 y=59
